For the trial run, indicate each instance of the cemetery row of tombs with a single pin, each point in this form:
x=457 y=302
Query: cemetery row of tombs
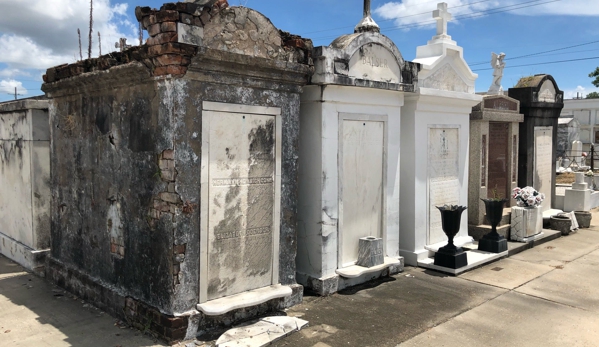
x=216 y=171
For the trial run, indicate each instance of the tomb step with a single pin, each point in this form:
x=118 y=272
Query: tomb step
x=505 y=218
x=478 y=231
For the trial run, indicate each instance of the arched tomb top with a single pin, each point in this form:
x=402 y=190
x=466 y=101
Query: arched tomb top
x=351 y=44
x=367 y=59
x=543 y=88
x=245 y=31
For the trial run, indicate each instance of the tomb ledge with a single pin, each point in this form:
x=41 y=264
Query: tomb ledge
x=246 y=299
x=357 y=271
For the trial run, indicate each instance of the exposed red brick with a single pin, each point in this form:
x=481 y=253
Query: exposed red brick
x=219 y=5
x=154 y=29
x=168 y=154
x=171 y=47
x=140 y=12
x=113 y=248
x=166 y=27
x=170 y=6
x=205 y=17
x=174 y=322
x=168 y=59
x=179 y=249
x=187 y=7
x=170 y=70
x=295 y=42
x=148 y=20
x=167 y=16
x=162 y=38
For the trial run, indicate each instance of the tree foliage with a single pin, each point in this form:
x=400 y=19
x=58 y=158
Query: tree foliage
x=592 y=95
x=596 y=75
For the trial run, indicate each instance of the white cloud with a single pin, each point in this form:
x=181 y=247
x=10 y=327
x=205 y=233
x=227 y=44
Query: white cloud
x=8 y=87
x=13 y=72
x=579 y=91
x=416 y=13
x=40 y=34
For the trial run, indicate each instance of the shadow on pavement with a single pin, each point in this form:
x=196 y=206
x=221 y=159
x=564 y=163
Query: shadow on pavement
x=35 y=313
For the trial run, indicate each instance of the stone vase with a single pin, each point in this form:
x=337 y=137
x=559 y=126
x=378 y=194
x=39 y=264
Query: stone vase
x=451 y=256
x=563 y=224
x=526 y=222
x=583 y=218
x=493 y=242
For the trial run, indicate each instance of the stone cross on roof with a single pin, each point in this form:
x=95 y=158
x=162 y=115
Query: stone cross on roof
x=442 y=17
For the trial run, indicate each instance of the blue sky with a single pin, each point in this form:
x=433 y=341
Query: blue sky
x=37 y=34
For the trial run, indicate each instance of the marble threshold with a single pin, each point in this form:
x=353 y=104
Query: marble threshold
x=357 y=271
x=246 y=299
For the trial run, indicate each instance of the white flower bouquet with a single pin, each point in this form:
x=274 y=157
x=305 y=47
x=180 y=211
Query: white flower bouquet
x=527 y=197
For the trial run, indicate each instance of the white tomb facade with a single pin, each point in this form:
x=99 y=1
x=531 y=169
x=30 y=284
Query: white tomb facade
x=349 y=159
x=434 y=144
x=25 y=196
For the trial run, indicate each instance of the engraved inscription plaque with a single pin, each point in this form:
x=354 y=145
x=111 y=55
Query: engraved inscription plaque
x=543 y=163
x=501 y=104
x=499 y=176
x=443 y=177
x=241 y=203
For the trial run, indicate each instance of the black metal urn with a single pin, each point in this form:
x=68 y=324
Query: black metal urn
x=493 y=242
x=451 y=256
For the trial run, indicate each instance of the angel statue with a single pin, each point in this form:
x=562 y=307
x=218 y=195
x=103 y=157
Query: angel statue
x=498 y=65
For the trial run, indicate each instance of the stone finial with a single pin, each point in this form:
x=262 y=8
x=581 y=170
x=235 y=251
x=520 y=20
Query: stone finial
x=367 y=24
x=442 y=16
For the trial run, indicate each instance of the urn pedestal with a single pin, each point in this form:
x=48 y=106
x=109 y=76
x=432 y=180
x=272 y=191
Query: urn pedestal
x=526 y=223
x=493 y=242
x=451 y=256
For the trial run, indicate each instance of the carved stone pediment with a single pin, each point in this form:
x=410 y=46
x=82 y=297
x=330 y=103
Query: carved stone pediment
x=445 y=78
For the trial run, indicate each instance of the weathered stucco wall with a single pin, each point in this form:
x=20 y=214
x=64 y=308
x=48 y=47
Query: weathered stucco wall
x=24 y=181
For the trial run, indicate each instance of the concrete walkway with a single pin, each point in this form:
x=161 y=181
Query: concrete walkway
x=36 y=313
x=545 y=296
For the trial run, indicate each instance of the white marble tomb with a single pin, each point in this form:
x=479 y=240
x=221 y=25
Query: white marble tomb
x=434 y=144
x=349 y=159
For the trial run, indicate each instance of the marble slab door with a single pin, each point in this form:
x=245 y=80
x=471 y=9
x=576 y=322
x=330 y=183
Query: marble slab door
x=240 y=200
x=362 y=166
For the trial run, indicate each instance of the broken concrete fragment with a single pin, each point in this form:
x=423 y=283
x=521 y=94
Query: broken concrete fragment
x=261 y=333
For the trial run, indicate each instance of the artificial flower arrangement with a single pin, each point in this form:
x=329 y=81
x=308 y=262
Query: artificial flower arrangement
x=589 y=173
x=527 y=197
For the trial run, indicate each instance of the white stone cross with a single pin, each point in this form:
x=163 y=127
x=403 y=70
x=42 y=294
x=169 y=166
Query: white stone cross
x=442 y=17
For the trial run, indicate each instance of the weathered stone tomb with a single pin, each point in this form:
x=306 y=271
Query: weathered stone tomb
x=174 y=170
